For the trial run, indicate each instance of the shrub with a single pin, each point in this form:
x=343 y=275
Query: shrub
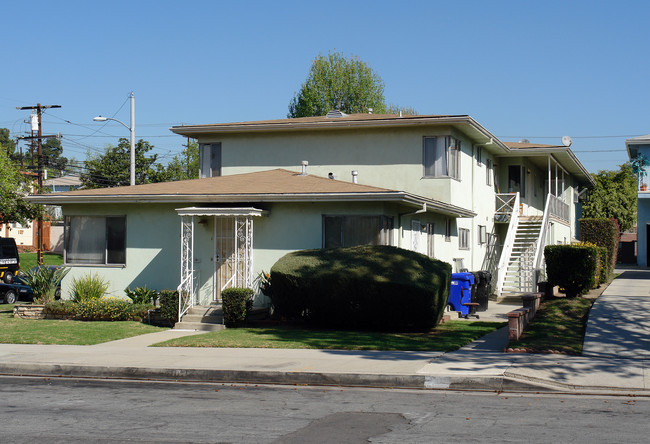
x=572 y=267
x=236 y=302
x=88 y=287
x=604 y=233
x=370 y=287
x=169 y=305
x=141 y=295
x=110 y=309
x=43 y=281
x=61 y=308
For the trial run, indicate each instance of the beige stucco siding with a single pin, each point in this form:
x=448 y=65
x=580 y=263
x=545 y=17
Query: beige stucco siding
x=152 y=253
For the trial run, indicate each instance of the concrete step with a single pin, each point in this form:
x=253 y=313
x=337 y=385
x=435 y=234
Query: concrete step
x=199 y=326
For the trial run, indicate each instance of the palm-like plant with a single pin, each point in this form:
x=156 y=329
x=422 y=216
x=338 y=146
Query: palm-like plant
x=43 y=281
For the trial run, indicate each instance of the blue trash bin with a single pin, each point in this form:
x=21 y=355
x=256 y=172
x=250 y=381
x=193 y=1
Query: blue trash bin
x=460 y=293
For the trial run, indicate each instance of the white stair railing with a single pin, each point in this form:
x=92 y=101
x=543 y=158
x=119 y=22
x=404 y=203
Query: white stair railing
x=508 y=244
x=541 y=239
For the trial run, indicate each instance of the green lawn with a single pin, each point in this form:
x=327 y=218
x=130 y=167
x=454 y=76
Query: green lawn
x=559 y=325
x=50 y=331
x=29 y=260
x=446 y=337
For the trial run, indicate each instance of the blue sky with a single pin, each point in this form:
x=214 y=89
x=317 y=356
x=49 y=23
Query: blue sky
x=539 y=70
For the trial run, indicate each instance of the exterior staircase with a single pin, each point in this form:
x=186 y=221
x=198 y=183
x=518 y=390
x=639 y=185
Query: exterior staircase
x=202 y=317
x=520 y=273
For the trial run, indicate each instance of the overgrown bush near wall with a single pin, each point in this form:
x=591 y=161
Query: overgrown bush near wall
x=370 y=287
x=169 y=304
x=236 y=302
x=88 y=286
x=604 y=233
x=573 y=267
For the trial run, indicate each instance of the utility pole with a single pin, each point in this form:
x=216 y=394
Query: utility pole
x=39 y=111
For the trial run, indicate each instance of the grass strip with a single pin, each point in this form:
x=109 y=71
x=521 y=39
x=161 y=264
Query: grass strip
x=559 y=325
x=29 y=260
x=446 y=337
x=52 y=331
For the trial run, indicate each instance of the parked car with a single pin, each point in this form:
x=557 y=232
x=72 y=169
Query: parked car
x=8 y=293
x=9 y=260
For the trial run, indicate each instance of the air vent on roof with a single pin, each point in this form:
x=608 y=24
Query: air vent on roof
x=524 y=141
x=335 y=113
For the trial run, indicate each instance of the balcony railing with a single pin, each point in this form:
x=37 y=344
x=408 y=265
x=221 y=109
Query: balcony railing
x=505 y=206
x=558 y=208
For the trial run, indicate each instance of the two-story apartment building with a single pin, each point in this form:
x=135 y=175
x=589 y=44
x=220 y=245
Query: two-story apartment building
x=440 y=185
x=635 y=147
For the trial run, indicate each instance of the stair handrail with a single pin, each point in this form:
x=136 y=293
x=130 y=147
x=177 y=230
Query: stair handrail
x=185 y=296
x=508 y=244
x=541 y=239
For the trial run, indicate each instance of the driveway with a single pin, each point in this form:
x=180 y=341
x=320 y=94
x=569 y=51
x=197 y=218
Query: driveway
x=619 y=321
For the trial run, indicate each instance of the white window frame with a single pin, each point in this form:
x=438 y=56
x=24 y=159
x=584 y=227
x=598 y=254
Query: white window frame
x=489 y=172
x=441 y=157
x=463 y=239
x=210 y=159
x=482 y=234
x=447 y=230
x=71 y=237
x=431 y=228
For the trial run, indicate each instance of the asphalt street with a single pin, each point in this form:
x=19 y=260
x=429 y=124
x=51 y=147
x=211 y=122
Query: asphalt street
x=77 y=410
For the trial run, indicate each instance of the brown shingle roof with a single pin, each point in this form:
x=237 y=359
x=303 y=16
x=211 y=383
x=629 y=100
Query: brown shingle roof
x=278 y=181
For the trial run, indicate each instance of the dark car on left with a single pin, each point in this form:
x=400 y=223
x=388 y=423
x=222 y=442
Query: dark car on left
x=19 y=290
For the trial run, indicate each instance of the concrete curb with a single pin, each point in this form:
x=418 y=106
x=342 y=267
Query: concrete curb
x=427 y=382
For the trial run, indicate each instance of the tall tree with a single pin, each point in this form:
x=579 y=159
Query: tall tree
x=52 y=155
x=337 y=82
x=13 y=189
x=184 y=166
x=614 y=196
x=113 y=168
x=7 y=145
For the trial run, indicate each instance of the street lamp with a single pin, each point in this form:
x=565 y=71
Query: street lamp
x=131 y=129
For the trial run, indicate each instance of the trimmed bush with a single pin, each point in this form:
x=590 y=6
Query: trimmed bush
x=169 y=305
x=235 y=303
x=604 y=233
x=368 y=287
x=61 y=308
x=88 y=287
x=572 y=267
x=110 y=309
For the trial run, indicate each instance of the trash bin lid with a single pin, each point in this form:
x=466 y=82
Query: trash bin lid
x=464 y=276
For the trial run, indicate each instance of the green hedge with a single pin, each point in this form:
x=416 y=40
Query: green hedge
x=105 y=309
x=573 y=267
x=368 y=287
x=235 y=303
x=169 y=305
x=604 y=233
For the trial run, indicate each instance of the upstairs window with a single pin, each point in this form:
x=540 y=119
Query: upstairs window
x=210 y=158
x=488 y=172
x=463 y=238
x=442 y=157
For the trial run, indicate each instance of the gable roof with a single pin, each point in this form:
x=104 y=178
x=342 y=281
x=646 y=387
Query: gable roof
x=278 y=185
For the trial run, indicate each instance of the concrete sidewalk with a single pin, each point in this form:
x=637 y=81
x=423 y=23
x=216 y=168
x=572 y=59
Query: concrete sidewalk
x=478 y=366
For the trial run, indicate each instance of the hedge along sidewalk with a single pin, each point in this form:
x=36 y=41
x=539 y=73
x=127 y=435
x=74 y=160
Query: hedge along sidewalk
x=446 y=337
x=48 y=331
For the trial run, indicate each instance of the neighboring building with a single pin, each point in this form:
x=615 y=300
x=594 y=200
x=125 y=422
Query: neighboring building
x=636 y=146
x=440 y=185
x=62 y=184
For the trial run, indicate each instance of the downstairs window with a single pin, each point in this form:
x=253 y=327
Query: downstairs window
x=95 y=240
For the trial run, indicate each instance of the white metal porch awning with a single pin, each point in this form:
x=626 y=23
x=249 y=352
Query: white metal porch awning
x=223 y=212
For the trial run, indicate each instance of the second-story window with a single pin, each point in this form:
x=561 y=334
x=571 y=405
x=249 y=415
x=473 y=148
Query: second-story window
x=210 y=158
x=441 y=157
x=488 y=172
